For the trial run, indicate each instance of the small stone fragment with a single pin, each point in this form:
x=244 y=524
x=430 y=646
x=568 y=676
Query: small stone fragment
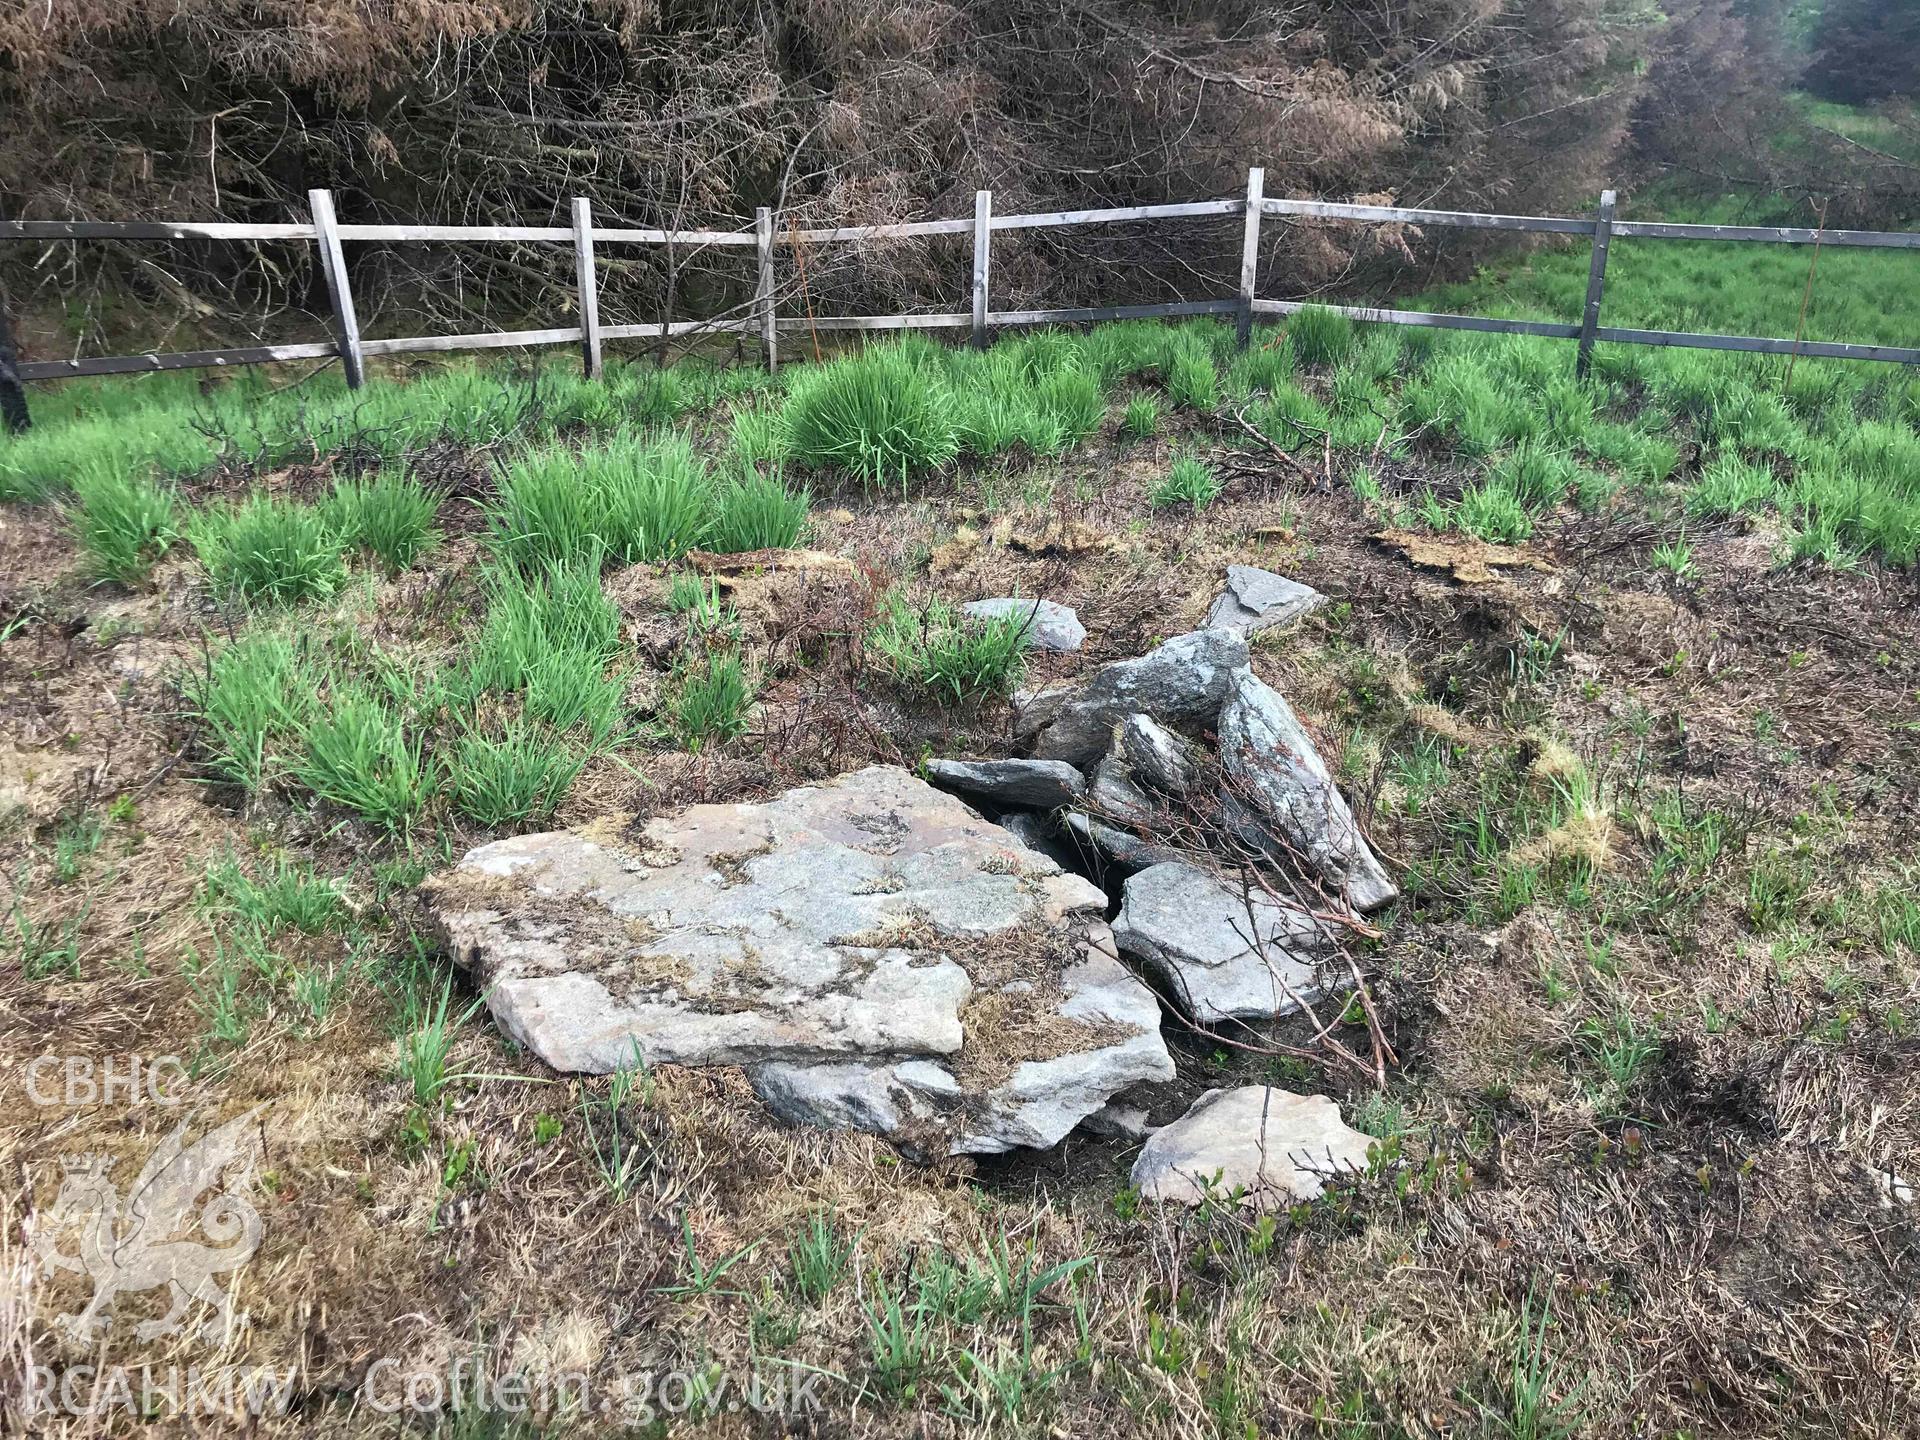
x=1280 y=1148
x=1126 y=850
x=1049 y=624
x=1118 y=1122
x=1256 y=599
x=1114 y=796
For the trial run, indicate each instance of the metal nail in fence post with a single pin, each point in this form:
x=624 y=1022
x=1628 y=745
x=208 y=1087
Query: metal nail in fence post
x=763 y=287
x=333 y=264
x=1596 y=283
x=1249 y=256
x=982 y=241
x=589 y=286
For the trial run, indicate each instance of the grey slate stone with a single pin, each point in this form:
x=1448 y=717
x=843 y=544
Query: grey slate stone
x=1256 y=599
x=1034 y=784
x=1184 y=679
x=1195 y=934
x=1157 y=756
x=1278 y=773
x=1049 y=624
x=1280 y=1147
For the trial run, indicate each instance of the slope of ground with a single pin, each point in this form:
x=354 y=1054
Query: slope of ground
x=1647 y=781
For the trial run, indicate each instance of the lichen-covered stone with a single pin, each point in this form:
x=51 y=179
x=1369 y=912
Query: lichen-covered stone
x=872 y=951
x=1274 y=770
x=1184 y=679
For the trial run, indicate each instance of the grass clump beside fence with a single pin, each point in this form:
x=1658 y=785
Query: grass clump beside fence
x=878 y=415
x=270 y=549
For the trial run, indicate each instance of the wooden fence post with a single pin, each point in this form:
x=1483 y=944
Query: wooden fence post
x=333 y=264
x=589 y=285
x=982 y=251
x=14 y=418
x=1249 y=256
x=763 y=287
x=1596 y=283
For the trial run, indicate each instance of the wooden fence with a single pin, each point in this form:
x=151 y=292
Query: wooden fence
x=329 y=236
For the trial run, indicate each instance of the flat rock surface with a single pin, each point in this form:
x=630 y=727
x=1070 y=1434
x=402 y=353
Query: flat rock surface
x=872 y=951
x=1049 y=624
x=1184 y=679
x=1034 y=784
x=1218 y=952
x=1279 y=1147
x=1274 y=769
x=1255 y=599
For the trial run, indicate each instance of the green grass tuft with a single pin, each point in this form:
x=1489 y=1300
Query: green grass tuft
x=521 y=772
x=757 y=512
x=271 y=549
x=390 y=516
x=1188 y=482
x=124 y=523
x=936 y=646
x=877 y=415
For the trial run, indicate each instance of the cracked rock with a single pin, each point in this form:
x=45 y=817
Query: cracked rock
x=1277 y=1147
x=875 y=954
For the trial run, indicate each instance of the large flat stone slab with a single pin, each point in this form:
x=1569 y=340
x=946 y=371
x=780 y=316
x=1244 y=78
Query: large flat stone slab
x=1277 y=1147
x=872 y=951
x=1220 y=952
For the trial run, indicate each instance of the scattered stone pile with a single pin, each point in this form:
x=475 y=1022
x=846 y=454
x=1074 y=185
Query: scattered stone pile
x=934 y=964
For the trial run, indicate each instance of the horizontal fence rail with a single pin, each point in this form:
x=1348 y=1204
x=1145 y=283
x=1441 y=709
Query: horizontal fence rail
x=766 y=237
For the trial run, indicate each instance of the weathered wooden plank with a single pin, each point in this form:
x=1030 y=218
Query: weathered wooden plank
x=333 y=264
x=427 y=234
x=655 y=331
x=1462 y=219
x=423 y=344
x=954 y=320
x=1774 y=234
x=1757 y=344
x=177 y=360
x=906 y=230
x=1095 y=314
x=625 y=235
x=1425 y=318
x=1249 y=256
x=982 y=263
x=587 y=280
x=149 y=230
x=763 y=288
x=1596 y=283
x=1059 y=218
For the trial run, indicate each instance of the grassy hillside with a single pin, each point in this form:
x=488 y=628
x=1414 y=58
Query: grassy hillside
x=1644 y=771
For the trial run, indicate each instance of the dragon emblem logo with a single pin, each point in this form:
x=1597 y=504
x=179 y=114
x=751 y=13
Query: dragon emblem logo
x=152 y=1238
